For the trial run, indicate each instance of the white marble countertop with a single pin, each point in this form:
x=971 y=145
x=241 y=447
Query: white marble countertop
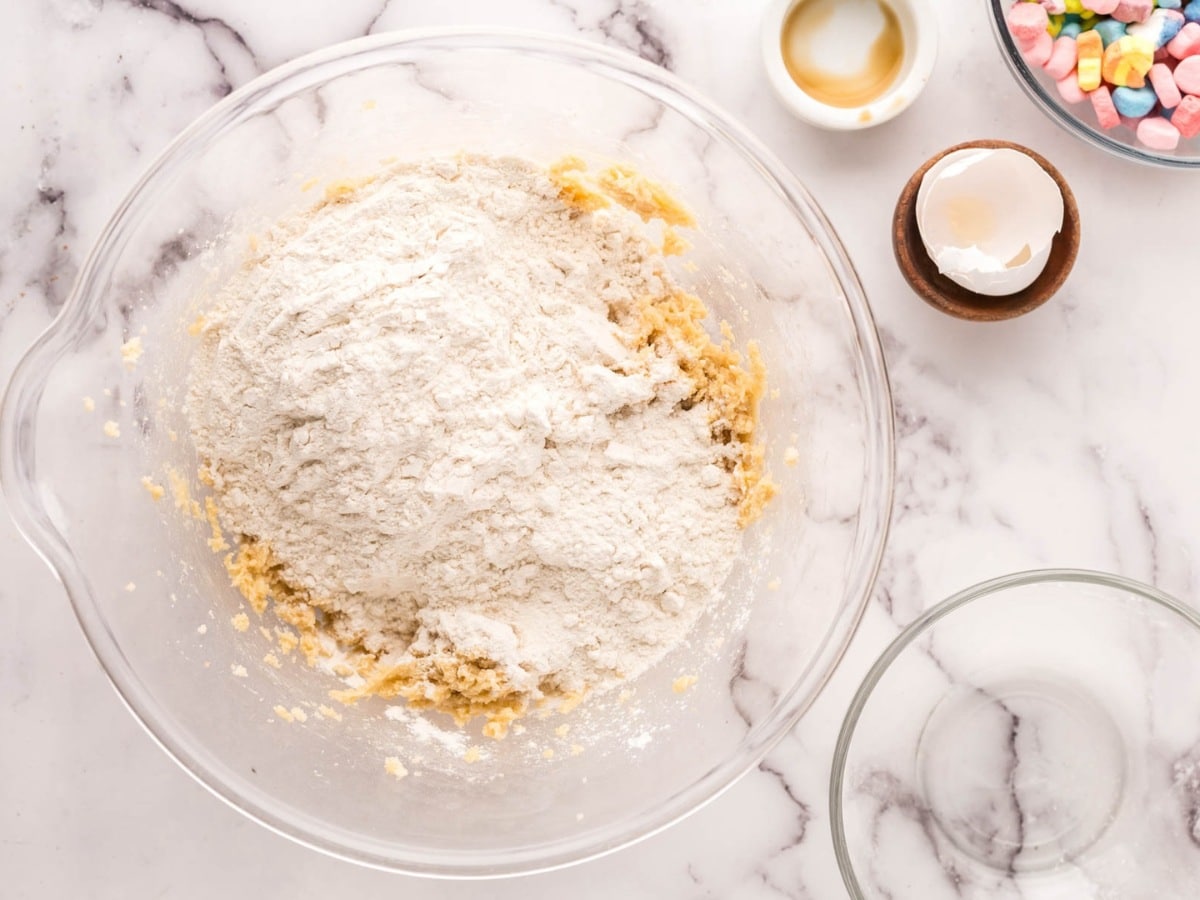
x=1064 y=438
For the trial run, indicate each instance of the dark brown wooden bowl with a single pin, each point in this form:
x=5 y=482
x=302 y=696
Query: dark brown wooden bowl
x=940 y=292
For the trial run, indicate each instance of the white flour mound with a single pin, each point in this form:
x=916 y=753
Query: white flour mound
x=421 y=400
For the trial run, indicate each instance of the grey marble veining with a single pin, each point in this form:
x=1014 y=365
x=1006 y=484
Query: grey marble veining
x=1037 y=743
x=1065 y=438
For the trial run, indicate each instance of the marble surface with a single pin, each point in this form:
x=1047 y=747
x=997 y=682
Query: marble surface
x=1064 y=438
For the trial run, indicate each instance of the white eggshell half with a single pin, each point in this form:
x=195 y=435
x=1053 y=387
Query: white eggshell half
x=957 y=159
x=987 y=219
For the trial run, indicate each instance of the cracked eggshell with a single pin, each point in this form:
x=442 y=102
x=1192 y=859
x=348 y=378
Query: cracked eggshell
x=987 y=219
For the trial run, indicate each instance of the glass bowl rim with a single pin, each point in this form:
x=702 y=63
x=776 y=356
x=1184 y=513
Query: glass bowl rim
x=1060 y=114
x=924 y=623
x=23 y=395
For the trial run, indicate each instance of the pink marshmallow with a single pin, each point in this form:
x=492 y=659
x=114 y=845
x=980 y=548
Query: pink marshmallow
x=1027 y=20
x=1164 y=86
x=1187 y=75
x=1069 y=89
x=1062 y=59
x=1103 y=7
x=1158 y=134
x=1186 y=117
x=1186 y=43
x=1040 y=51
x=1055 y=7
x=1133 y=10
x=1106 y=112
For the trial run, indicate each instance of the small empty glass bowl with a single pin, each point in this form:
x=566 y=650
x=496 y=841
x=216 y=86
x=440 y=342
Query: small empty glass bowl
x=1080 y=119
x=1036 y=736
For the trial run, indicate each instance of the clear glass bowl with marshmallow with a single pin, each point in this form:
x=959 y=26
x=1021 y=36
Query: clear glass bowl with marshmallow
x=1079 y=118
x=155 y=602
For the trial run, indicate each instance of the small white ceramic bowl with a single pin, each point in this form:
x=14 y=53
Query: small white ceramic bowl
x=919 y=28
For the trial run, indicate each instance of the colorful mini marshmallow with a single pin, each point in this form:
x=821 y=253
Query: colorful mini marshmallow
x=1160 y=28
x=1110 y=31
x=1039 y=52
x=1162 y=79
x=1127 y=61
x=1137 y=62
x=1133 y=10
x=1158 y=134
x=1090 y=50
x=1069 y=90
x=1187 y=42
x=1187 y=117
x=1187 y=75
x=1106 y=111
x=1062 y=60
x=1134 y=103
x=1027 y=21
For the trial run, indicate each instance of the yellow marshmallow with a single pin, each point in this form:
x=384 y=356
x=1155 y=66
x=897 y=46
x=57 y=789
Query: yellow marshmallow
x=1127 y=60
x=1091 y=51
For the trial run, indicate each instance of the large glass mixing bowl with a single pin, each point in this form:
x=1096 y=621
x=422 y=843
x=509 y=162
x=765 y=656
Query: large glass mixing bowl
x=156 y=604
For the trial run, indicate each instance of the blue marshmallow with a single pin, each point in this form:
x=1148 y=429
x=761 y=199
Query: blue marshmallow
x=1162 y=25
x=1133 y=103
x=1171 y=27
x=1192 y=11
x=1170 y=4
x=1111 y=30
x=1071 y=30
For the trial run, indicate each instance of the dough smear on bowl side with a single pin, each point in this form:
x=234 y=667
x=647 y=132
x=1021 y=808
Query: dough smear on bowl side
x=459 y=421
